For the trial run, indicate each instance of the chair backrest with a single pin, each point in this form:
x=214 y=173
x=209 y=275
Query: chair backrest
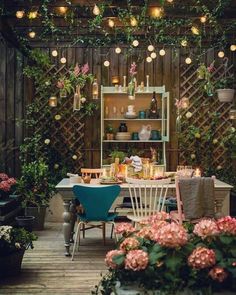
x=97 y=172
x=147 y=196
x=96 y=200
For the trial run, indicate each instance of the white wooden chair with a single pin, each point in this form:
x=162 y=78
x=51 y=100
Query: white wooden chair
x=147 y=197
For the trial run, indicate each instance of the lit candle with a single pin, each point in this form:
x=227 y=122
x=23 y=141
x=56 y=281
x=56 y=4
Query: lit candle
x=197 y=172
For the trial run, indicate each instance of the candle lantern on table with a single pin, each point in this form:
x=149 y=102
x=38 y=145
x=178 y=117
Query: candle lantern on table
x=197 y=172
x=115 y=80
x=52 y=101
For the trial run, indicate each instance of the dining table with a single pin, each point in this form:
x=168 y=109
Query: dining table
x=65 y=190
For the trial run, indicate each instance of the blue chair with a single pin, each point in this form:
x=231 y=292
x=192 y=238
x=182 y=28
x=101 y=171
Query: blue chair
x=96 y=202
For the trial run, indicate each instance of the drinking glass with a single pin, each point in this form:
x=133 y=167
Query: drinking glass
x=122 y=111
x=114 y=110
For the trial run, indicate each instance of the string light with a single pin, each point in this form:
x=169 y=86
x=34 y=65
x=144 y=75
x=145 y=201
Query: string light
x=170 y=1
x=54 y=53
x=221 y=54
x=118 y=50
x=149 y=59
x=111 y=23
x=162 y=52
x=233 y=47
x=32 y=34
x=20 y=14
x=63 y=60
x=135 y=43
x=203 y=19
x=153 y=55
x=133 y=22
x=156 y=12
x=33 y=14
x=106 y=63
x=150 y=48
x=195 y=30
x=188 y=61
x=184 y=43
x=96 y=10
x=62 y=9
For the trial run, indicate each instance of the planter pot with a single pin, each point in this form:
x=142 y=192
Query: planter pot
x=225 y=95
x=39 y=214
x=10 y=265
x=26 y=222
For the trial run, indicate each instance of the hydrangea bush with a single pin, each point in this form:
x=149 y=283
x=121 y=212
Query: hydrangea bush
x=6 y=184
x=163 y=255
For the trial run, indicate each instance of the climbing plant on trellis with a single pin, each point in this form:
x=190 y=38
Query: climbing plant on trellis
x=207 y=117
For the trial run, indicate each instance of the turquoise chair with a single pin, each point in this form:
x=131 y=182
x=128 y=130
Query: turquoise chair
x=96 y=202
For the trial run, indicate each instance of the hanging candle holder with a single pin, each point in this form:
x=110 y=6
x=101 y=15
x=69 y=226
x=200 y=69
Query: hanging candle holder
x=232 y=114
x=52 y=102
x=77 y=99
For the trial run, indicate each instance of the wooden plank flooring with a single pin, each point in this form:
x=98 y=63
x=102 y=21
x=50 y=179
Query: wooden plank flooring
x=45 y=269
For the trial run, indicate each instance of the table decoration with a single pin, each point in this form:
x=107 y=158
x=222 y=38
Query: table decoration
x=131 y=86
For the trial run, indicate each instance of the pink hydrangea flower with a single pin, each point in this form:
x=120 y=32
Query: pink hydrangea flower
x=109 y=258
x=11 y=181
x=162 y=215
x=136 y=260
x=76 y=70
x=158 y=224
x=206 y=228
x=227 y=225
x=60 y=84
x=124 y=228
x=129 y=244
x=146 y=233
x=3 y=176
x=5 y=186
x=85 y=69
x=218 y=274
x=171 y=235
x=132 y=70
x=202 y=257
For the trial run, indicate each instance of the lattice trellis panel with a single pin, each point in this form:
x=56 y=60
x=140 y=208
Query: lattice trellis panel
x=66 y=134
x=200 y=107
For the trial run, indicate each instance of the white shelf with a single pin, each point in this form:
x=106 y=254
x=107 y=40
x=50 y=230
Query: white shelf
x=142 y=141
x=112 y=90
x=124 y=119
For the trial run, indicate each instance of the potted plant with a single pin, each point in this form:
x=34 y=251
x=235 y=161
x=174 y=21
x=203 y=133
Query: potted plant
x=118 y=154
x=224 y=89
x=109 y=132
x=35 y=190
x=6 y=185
x=13 y=243
x=163 y=257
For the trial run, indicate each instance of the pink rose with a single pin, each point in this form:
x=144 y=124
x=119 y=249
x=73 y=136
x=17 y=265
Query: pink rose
x=129 y=244
x=218 y=274
x=109 y=258
x=171 y=235
x=202 y=257
x=206 y=228
x=136 y=260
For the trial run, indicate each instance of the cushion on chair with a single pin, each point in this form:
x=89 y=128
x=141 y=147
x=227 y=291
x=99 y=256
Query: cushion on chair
x=110 y=217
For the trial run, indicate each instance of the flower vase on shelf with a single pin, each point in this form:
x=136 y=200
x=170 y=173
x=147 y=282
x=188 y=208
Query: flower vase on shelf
x=131 y=90
x=77 y=99
x=63 y=93
x=124 y=83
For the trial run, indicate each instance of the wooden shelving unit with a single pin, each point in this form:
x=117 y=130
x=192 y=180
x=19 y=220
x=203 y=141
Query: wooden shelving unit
x=111 y=98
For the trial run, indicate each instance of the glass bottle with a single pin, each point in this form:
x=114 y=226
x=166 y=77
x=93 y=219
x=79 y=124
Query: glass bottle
x=95 y=89
x=147 y=83
x=124 y=83
x=153 y=112
x=77 y=99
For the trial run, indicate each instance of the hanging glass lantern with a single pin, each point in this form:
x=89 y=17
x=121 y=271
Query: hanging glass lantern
x=232 y=114
x=52 y=102
x=77 y=99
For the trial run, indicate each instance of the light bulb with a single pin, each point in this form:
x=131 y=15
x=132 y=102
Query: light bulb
x=96 y=10
x=188 y=60
x=135 y=43
x=150 y=48
x=62 y=9
x=156 y=12
x=111 y=23
x=233 y=47
x=162 y=52
x=133 y=22
x=203 y=19
x=106 y=63
x=170 y=1
x=153 y=55
x=20 y=14
x=195 y=30
x=221 y=54
x=54 y=53
x=32 y=34
x=184 y=43
x=149 y=59
x=63 y=60
x=118 y=50
x=33 y=14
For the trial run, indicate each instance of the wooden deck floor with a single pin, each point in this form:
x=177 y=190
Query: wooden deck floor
x=45 y=269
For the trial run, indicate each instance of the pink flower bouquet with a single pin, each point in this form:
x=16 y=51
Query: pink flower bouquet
x=6 y=184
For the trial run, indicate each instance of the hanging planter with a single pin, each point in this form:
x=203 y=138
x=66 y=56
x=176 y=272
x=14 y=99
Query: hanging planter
x=225 y=95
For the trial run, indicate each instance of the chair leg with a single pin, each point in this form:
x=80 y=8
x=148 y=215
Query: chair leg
x=112 y=229
x=104 y=233
x=83 y=229
x=113 y=226
x=76 y=239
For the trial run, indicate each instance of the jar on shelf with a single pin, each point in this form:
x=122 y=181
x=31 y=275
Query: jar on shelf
x=123 y=127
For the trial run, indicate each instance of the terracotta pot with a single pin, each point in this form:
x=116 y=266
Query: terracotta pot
x=225 y=95
x=110 y=136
